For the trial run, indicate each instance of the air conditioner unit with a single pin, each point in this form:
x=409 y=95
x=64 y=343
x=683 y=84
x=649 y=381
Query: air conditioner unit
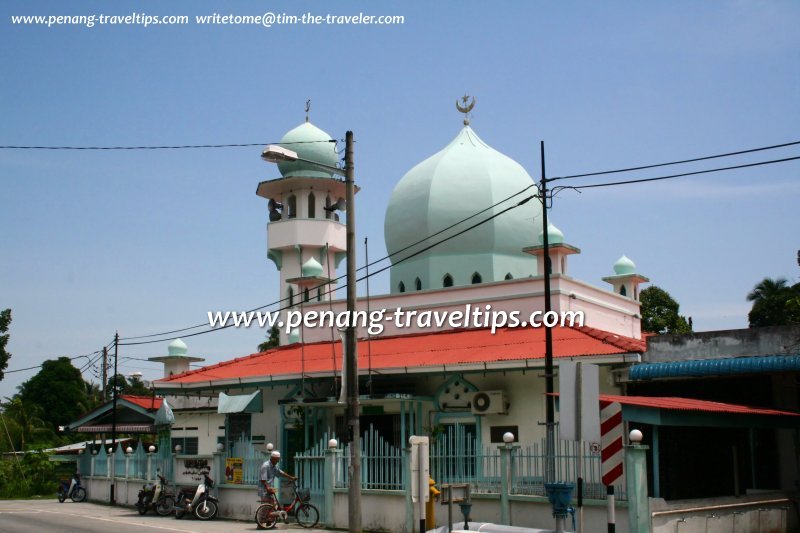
x=489 y=402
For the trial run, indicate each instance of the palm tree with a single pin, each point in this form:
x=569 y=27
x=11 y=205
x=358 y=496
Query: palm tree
x=769 y=299
x=26 y=421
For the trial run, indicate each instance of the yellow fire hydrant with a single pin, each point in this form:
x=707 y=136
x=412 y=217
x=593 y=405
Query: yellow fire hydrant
x=430 y=516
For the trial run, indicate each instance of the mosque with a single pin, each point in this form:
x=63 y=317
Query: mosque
x=467 y=384
x=407 y=371
x=464 y=233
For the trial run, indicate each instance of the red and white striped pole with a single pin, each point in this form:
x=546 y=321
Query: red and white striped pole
x=611 y=453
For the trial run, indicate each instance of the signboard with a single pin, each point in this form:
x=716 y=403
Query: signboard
x=579 y=397
x=233 y=470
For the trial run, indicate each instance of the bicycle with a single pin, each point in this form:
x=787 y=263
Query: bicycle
x=271 y=510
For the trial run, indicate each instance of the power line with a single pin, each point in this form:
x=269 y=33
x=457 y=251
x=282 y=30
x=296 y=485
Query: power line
x=175 y=147
x=422 y=250
x=451 y=226
x=704 y=158
x=671 y=176
x=643 y=180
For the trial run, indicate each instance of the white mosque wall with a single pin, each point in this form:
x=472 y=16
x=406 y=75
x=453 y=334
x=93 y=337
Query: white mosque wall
x=601 y=309
x=315 y=232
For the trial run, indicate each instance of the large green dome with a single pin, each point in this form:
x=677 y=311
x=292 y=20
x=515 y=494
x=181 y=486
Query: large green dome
x=310 y=143
x=466 y=177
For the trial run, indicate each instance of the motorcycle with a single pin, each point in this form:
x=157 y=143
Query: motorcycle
x=199 y=501
x=154 y=495
x=72 y=490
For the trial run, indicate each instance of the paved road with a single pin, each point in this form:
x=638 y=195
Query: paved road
x=35 y=516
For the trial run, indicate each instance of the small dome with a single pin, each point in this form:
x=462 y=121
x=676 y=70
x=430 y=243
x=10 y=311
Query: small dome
x=624 y=266
x=311 y=268
x=310 y=143
x=554 y=235
x=177 y=347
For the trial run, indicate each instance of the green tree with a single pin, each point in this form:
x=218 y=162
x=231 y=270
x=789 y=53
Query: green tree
x=59 y=390
x=775 y=303
x=273 y=340
x=133 y=386
x=25 y=425
x=660 y=312
x=5 y=321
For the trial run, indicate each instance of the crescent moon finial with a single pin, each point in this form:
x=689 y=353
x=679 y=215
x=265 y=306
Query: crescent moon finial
x=466 y=107
x=308 y=108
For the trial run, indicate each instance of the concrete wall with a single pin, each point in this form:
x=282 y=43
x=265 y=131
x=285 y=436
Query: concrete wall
x=725 y=343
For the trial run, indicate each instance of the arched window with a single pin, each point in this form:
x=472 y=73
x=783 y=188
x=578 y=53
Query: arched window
x=418 y=284
x=291 y=206
x=290 y=294
x=476 y=278
x=401 y=287
x=509 y=276
x=312 y=207
x=319 y=295
x=623 y=291
x=305 y=295
x=447 y=281
x=563 y=265
x=328 y=213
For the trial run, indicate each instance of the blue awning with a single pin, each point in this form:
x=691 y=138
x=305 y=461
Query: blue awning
x=716 y=367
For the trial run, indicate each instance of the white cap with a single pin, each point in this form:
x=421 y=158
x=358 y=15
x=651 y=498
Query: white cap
x=276 y=454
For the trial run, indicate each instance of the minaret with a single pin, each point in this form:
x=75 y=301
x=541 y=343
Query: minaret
x=305 y=238
x=625 y=279
x=558 y=251
x=178 y=360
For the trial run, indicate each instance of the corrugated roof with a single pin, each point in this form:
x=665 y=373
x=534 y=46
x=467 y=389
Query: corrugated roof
x=689 y=404
x=716 y=367
x=450 y=347
x=145 y=402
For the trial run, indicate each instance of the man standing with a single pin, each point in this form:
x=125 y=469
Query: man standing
x=268 y=472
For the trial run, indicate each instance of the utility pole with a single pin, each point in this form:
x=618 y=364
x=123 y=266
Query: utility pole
x=550 y=473
x=105 y=373
x=351 y=355
x=114 y=419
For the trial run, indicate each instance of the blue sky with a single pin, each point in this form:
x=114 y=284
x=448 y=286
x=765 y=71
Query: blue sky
x=146 y=241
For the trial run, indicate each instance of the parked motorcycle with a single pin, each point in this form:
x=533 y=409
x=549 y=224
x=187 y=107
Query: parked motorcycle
x=199 y=501
x=155 y=496
x=72 y=490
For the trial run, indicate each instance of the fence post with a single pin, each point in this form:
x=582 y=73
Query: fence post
x=218 y=468
x=328 y=480
x=91 y=463
x=407 y=488
x=636 y=481
x=505 y=483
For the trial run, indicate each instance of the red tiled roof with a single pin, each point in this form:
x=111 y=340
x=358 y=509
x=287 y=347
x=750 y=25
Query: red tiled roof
x=420 y=350
x=146 y=402
x=688 y=404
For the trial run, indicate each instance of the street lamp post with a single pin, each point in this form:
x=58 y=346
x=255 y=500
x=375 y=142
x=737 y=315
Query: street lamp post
x=274 y=154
